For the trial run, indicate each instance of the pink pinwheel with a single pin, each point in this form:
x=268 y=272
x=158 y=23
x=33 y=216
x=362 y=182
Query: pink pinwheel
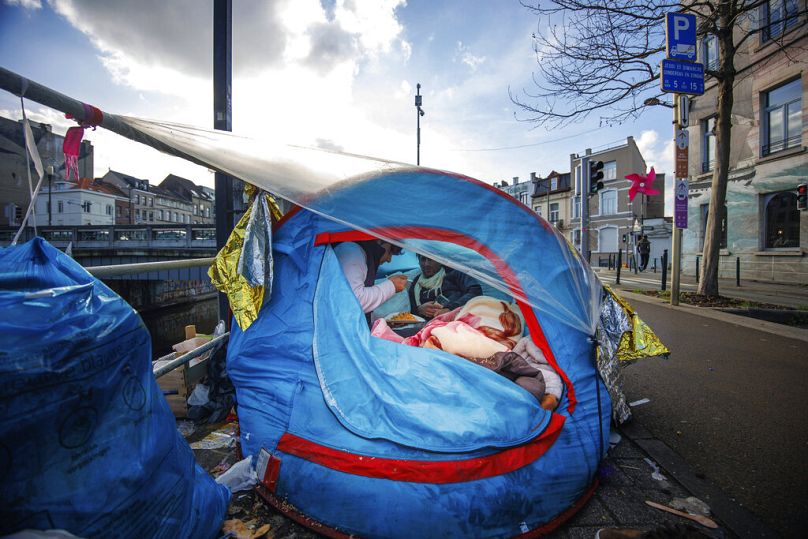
x=640 y=183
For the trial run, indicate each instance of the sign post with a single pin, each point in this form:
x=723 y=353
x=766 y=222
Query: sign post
x=680 y=74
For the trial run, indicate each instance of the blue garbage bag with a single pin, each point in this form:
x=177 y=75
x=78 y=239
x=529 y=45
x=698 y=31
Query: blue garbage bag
x=87 y=441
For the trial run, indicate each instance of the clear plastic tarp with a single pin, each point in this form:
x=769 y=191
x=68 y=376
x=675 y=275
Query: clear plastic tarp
x=565 y=287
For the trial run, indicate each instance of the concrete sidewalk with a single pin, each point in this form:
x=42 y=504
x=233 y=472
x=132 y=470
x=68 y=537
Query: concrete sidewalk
x=787 y=295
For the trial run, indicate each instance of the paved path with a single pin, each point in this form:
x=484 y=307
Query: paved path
x=789 y=295
x=732 y=401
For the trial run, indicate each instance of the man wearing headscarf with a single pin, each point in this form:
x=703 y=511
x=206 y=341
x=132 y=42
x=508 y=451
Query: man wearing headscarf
x=437 y=289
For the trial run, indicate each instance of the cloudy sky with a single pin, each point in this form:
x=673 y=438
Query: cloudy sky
x=339 y=74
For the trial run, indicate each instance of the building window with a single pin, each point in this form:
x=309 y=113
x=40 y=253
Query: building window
x=722 y=244
x=608 y=202
x=137 y=199
x=553 y=184
x=782 y=117
x=607 y=239
x=781 y=221
x=176 y=217
x=709 y=52
x=109 y=209
x=610 y=170
x=137 y=215
x=523 y=197
x=151 y=216
x=60 y=206
x=86 y=206
x=708 y=144
x=576 y=207
x=159 y=215
x=196 y=210
x=776 y=17
x=576 y=237
x=151 y=201
x=554 y=212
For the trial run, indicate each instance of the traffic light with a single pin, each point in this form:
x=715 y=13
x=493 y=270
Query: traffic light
x=595 y=177
x=802 y=196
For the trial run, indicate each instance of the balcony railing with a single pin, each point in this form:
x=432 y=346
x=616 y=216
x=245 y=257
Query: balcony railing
x=780 y=145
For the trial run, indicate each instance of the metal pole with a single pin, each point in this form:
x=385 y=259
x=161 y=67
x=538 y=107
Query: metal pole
x=418 y=113
x=677 y=233
x=737 y=271
x=50 y=194
x=222 y=120
x=585 y=207
x=697 y=270
x=619 y=263
x=665 y=270
x=185 y=358
x=143 y=267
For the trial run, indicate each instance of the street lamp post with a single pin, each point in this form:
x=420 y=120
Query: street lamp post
x=420 y=112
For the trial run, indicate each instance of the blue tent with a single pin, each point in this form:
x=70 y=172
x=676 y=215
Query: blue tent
x=359 y=435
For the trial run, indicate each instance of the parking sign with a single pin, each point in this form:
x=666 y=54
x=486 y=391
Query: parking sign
x=681 y=36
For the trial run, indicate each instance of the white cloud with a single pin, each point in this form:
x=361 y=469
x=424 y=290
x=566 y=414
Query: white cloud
x=26 y=4
x=657 y=153
x=467 y=58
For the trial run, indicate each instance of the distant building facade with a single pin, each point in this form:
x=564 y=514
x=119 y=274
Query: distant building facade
x=615 y=221
x=202 y=199
x=760 y=223
x=14 y=190
x=521 y=191
x=77 y=203
x=551 y=199
x=139 y=194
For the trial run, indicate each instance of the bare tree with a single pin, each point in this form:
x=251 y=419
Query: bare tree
x=603 y=56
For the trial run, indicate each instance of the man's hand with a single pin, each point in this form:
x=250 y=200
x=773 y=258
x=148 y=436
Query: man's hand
x=399 y=281
x=431 y=309
x=549 y=402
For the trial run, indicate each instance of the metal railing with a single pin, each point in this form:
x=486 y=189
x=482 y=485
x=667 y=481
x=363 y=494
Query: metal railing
x=121 y=236
x=188 y=356
x=143 y=267
x=127 y=269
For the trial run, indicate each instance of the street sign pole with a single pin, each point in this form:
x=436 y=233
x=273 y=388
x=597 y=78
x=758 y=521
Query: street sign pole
x=677 y=232
x=680 y=74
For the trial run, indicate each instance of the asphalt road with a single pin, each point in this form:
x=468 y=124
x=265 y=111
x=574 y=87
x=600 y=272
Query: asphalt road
x=733 y=402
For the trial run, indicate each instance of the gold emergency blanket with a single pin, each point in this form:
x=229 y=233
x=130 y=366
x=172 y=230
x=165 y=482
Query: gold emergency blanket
x=622 y=339
x=245 y=300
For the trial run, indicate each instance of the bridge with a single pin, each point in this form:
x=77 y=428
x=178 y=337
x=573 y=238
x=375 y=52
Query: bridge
x=114 y=245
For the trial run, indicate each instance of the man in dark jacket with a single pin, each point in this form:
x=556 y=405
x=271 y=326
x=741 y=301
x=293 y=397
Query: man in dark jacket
x=644 y=250
x=437 y=289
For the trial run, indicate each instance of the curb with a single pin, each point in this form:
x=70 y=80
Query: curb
x=707 y=312
x=735 y=518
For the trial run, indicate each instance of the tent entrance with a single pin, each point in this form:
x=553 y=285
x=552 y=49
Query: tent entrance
x=417 y=397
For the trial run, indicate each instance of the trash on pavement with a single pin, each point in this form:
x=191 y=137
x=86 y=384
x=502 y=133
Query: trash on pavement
x=701 y=519
x=692 y=505
x=225 y=437
x=639 y=402
x=655 y=474
x=614 y=439
x=240 y=476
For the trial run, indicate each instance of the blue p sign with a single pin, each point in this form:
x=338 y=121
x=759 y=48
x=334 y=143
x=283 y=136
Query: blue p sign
x=681 y=36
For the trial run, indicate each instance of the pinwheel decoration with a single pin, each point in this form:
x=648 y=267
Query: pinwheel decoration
x=640 y=183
